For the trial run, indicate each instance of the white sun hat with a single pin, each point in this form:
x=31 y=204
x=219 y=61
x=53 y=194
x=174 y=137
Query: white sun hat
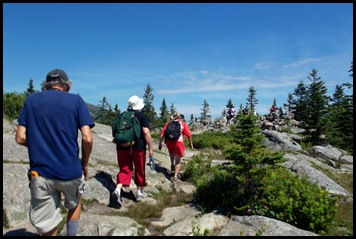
x=135 y=103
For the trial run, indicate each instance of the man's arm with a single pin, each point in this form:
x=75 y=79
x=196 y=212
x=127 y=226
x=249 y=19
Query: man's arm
x=20 y=137
x=87 y=146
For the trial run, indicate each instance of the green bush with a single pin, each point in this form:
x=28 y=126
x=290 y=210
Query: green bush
x=256 y=184
x=215 y=140
x=12 y=104
x=272 y=192
x=291 y=199
x=196 y=168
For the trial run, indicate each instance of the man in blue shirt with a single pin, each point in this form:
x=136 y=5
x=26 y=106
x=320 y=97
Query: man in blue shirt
x=48 y=126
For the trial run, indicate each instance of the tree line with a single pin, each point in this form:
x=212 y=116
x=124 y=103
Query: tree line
x=325 y=119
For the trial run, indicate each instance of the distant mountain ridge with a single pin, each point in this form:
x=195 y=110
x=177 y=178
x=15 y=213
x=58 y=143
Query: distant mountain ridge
x=93 y=109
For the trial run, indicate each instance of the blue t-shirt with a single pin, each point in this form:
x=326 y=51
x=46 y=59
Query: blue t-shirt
x=52 y=119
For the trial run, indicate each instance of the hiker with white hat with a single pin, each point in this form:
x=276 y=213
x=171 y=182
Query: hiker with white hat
x=133 y=159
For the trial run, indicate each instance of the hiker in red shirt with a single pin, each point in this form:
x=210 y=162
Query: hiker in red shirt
x=176 y=148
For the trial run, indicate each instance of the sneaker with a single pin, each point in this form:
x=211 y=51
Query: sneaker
x=116 y=196
x=174 y=179
x=141 y=196
x=172 y=168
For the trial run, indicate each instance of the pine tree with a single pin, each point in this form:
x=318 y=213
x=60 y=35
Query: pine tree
x=317 y=108
x=191 y=118
x=149 y=109
x=103 y=111
x=335 y=123
x=280 y=113
x=172 y=109
x=117 y=110
x=352 y=69
x=30 y=89
x=274 y=102
x=230 y=104
x=252 y=162
x=164 y=114
x=299 y=104
x=205 y=111
x=251 y=99
x=240 y=108
x=111 y=115
x=289 y=103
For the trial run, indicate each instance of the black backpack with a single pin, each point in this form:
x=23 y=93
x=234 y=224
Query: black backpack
x=172 y=131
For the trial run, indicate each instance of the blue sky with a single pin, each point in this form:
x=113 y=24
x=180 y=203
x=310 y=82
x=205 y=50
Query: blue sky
x=187 y=52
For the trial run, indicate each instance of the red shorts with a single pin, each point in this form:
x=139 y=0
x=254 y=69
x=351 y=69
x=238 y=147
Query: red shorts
x=175 y=147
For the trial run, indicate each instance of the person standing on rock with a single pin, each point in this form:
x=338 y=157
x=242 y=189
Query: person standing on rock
x=135 y=159
x=48 y=126
x=176 y=148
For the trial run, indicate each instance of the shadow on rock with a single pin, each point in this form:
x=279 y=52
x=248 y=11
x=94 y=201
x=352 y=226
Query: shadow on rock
x=20 y=232
x=163 y=170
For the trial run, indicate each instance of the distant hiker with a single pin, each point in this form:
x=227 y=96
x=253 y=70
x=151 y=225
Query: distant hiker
x=134 y=159
x=273 y=112
x=245 y=110
x=230 y=113
x=175 y=146
x=273 y=109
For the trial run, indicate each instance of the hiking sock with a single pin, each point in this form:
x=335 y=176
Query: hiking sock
x=72 y=227
x=118 y=190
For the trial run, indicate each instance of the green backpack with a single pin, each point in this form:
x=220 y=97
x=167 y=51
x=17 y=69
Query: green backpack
x=126 y=129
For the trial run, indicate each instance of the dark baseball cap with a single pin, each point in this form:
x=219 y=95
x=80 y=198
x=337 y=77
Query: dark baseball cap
x=56 y=74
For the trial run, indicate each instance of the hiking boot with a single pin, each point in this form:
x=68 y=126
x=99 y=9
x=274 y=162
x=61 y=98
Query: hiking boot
x=116 y=196
x=172 y=168
x=141 y=196
x=175 y=180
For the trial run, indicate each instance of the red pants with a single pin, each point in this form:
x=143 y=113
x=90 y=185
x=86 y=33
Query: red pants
x=127 y=164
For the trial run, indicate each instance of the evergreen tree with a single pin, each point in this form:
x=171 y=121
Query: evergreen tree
x=111 y=115
x=289 y=103
x=205 y=111
x=164 y=114
x=224 y=113
x=149 y=109
x=280 y=113
x=172 y=109
x=241 y=183
x=191 y=118
x=103 y=111
x=251 y=99
x=339 y=129
x=230 y=104
x=240 y=108
x=299 y=104
x=274 y=102
x=317 y=108
x=30 y=89
x=352 y=69
x=117 y=110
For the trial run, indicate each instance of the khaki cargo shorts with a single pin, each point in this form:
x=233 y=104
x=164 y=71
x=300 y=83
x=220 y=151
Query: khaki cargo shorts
x=46 y=193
